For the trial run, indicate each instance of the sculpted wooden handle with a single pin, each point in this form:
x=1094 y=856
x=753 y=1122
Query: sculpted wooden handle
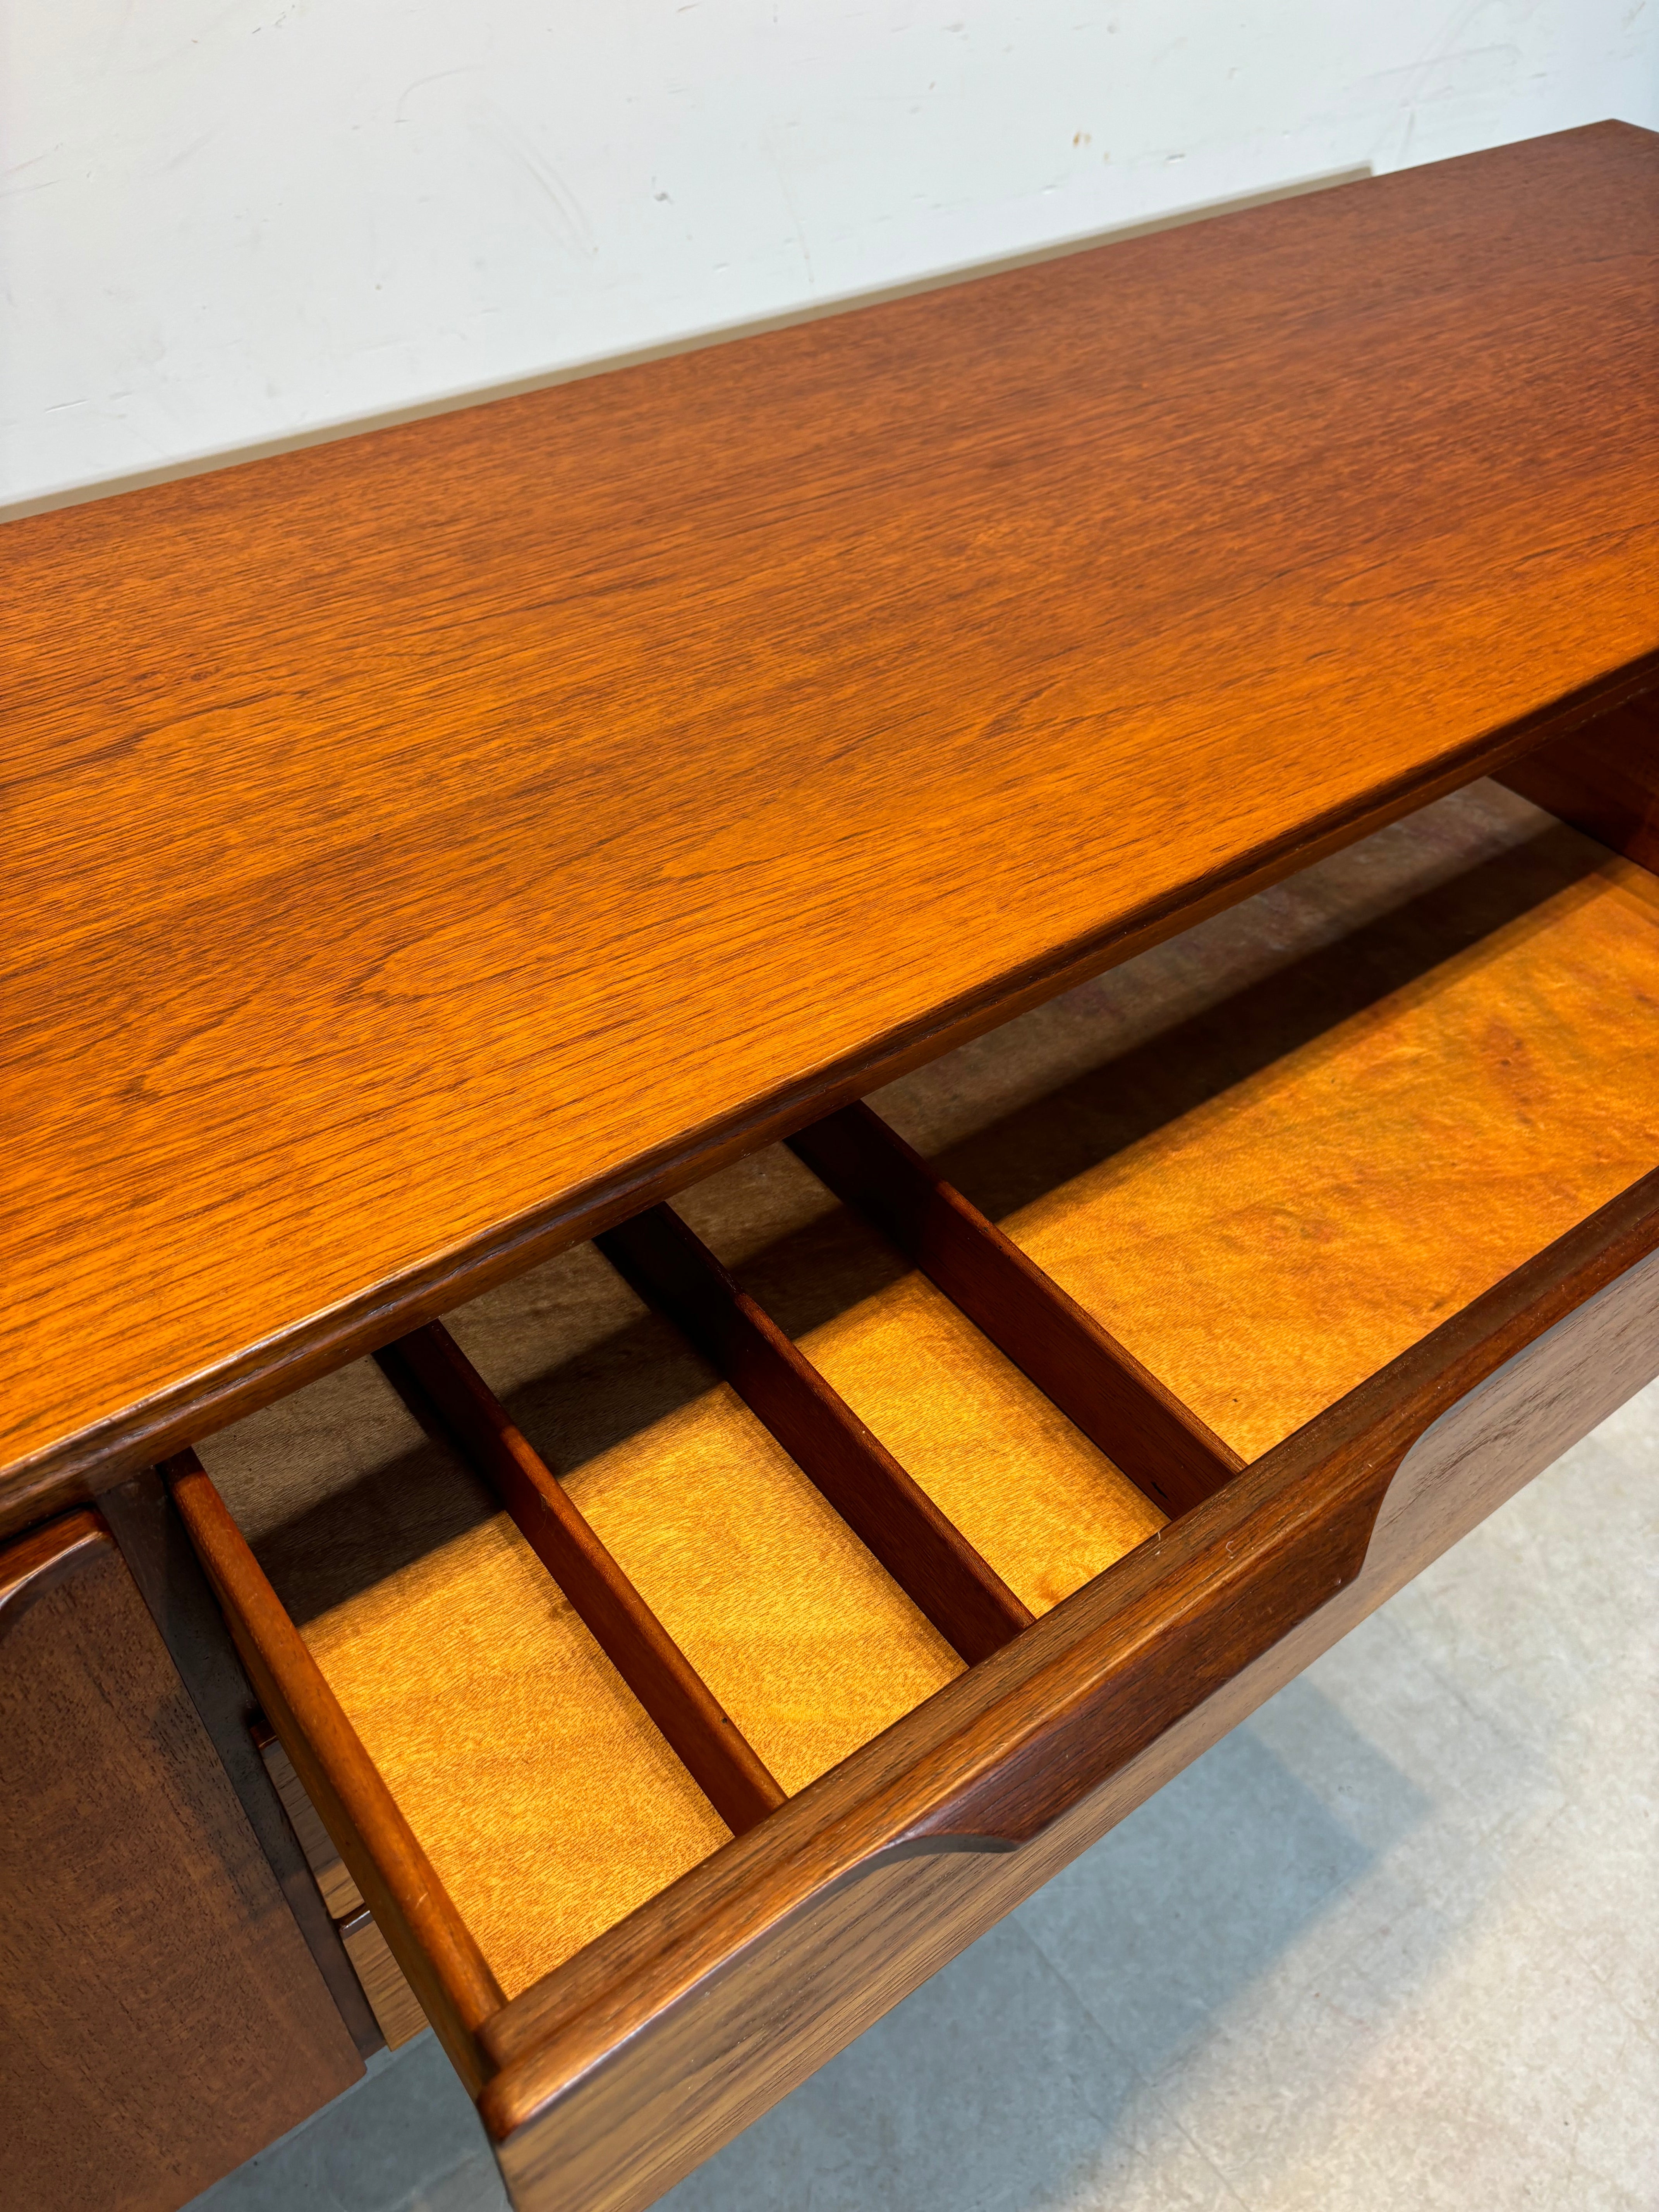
x=1099 y=1705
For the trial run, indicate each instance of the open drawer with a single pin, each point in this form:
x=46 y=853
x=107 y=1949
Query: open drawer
x=704 y=1638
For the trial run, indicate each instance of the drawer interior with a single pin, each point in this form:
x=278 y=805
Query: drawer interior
x=1331 y=1117
x=1267 y=1157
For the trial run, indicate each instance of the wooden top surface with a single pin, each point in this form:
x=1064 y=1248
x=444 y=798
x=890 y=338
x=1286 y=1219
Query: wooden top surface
x=421 y=845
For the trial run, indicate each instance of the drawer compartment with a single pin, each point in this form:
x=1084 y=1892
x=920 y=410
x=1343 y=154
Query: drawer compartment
x=690 y=1646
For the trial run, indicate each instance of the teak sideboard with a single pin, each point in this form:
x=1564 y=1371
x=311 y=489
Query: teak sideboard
x=769 y=1119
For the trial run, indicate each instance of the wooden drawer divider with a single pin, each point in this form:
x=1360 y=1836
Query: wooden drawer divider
x=1049 y=1721
x=928 y=1557
x=448 y=1396
x=1165 y=1449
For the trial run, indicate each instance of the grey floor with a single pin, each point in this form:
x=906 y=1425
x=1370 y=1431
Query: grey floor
x=1394 y=1943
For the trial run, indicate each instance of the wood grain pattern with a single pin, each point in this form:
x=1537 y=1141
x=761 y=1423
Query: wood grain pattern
x=1159 y=1443
x=163 y=2019
x=834 y=694
x=1045 y=1508
x=752 y=1971
x=1603 y=780
x=667 y=1265
x=1495 y=963
x=427 y=1937
x=439 y=1384
x=1363 y=1438
x=1455 y=1084
x=547 y=1801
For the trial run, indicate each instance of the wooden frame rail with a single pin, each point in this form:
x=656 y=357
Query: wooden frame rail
x=448 y=1396
x=1162 y=1446
x=929 y=1558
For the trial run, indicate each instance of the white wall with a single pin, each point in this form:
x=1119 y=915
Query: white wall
x=224 y=222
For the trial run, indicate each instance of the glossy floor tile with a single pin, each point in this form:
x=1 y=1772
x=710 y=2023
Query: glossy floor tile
x=1392 y=1945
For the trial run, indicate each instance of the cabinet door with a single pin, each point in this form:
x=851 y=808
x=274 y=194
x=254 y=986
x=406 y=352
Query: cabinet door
x=163 y=2018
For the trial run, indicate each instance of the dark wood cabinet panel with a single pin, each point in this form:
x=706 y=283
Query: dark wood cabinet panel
x=164 y=2018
